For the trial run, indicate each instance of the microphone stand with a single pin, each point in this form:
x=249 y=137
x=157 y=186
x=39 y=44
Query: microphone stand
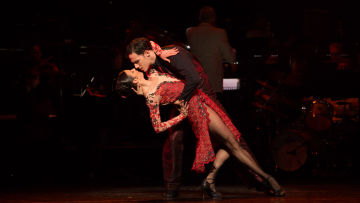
x=83 y=91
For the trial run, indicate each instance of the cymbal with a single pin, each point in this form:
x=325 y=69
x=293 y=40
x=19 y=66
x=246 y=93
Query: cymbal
x=268 y=108
x=343 y=103
x=264 y=84
x=263 y=106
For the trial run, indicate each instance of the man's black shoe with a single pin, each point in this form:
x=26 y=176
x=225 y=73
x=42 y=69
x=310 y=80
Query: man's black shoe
x=171 y=194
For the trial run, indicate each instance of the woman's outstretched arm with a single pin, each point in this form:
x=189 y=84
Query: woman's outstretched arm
x=156 y=119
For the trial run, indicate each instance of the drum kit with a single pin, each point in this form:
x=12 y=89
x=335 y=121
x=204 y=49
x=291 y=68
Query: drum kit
x=314 y=135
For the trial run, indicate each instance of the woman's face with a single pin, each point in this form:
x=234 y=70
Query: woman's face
x=134 y=73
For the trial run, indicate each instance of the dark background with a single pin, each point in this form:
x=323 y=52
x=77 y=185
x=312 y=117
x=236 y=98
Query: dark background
x=110 y=140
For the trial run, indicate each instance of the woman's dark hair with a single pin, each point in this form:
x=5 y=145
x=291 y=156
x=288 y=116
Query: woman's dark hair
x=139 y=46
x=123 y=84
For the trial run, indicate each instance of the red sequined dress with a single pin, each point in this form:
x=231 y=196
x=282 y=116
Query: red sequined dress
x=168 y=92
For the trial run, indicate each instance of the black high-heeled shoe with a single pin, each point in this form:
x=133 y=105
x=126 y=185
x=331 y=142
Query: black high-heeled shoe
x=270 y=190
x=205 y=187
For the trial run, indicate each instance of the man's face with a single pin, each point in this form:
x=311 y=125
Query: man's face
x=143 y=61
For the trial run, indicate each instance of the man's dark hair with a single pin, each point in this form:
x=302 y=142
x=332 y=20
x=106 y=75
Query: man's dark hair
x=207 y=15
x=138 y=46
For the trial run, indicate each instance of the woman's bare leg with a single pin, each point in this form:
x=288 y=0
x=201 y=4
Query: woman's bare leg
x=217 y=126
x=221 y=156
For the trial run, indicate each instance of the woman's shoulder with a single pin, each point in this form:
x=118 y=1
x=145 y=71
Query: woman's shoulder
x=167 y=87
x=152 y=71
x=165 y=76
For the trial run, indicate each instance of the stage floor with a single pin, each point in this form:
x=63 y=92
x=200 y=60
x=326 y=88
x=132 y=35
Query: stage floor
x=302 y=192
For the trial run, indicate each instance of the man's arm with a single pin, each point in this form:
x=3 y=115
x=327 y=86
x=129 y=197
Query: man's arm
x=227 y=51
x=184 y=67
x=225 y=48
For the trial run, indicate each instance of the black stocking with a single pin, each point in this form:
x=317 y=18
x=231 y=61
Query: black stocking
x=217 y=126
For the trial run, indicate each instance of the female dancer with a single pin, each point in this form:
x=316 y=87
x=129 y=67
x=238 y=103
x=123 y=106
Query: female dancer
x=204 y=116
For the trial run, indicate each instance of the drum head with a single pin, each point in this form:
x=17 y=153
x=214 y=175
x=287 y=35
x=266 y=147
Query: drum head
x=318 y=123
x=319 y=116
x=290 y=150
x=291 y=156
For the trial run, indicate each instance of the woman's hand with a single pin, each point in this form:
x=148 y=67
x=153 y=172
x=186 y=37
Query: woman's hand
x=182 y=107
x=138 y=89
x=167 y=53
x=163 y=54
